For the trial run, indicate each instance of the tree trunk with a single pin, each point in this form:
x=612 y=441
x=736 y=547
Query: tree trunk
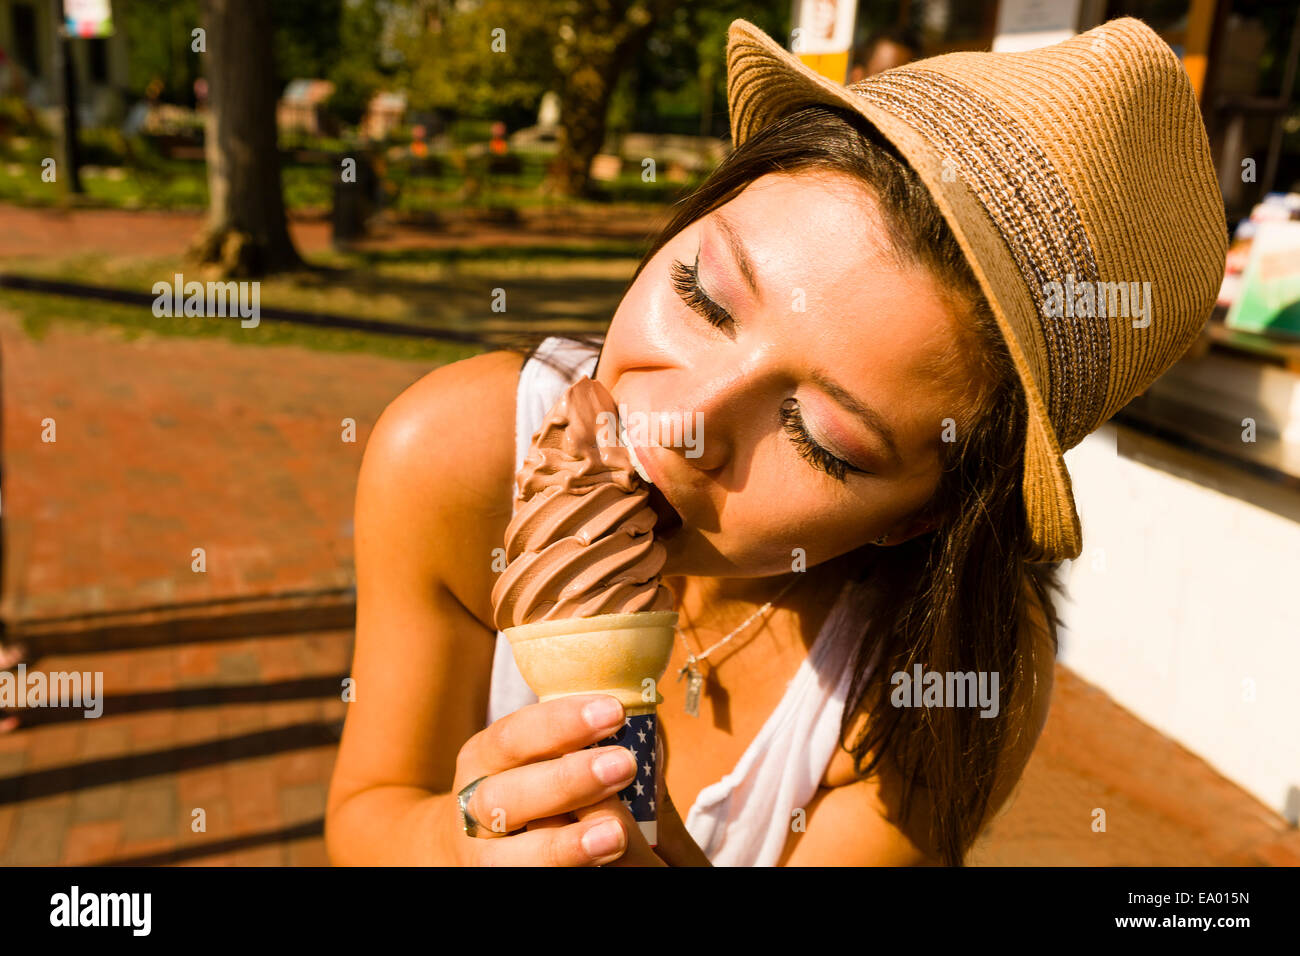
x=246 y=233
x=590 y=57
x=584 y=104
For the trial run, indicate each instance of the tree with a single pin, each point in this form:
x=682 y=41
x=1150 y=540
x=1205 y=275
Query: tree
x=247 y=233
x=596 y=41
x=504 y=53
x=158 y=34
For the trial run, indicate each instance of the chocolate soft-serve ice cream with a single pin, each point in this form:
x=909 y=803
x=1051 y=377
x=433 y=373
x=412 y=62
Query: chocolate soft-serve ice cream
x=581 y=541
x=580 y=599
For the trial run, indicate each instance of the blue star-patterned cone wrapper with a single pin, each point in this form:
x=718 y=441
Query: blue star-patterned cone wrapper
x=623 y=655
x=638 y=735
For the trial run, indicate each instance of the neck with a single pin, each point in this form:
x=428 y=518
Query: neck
x=722 y=592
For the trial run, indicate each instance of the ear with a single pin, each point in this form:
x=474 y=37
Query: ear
x=917 y=525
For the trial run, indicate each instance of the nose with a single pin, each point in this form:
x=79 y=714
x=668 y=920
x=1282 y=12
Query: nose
x=704 y=422
x=693 y=435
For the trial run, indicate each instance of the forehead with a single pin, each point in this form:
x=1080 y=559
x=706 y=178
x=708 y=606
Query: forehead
x=819 y=220
x=870 y=319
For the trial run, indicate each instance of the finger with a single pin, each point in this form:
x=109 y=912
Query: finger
x=553 y=846
x=541 y=731
x=639 y=851
x=559 y=820
x=506 y=801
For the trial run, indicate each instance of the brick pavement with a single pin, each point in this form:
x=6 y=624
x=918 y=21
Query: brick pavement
x=1164 y=806
x=243 y=729
x=246 y=729
x=168 y=445
x=165 y=445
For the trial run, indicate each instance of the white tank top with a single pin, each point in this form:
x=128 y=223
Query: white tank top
x=744 y=818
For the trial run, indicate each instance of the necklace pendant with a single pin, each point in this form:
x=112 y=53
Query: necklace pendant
x=694 y=680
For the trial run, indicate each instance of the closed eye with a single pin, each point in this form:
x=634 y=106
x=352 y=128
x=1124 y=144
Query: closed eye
x=809 y=450
x=686 y=280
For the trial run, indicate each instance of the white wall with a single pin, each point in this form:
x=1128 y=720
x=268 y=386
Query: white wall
x=1185 y=604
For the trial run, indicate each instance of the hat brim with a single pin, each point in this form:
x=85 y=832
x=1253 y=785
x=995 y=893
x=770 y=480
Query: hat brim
x=764 y=83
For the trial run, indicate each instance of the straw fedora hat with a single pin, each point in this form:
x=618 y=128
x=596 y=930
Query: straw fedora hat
x=1064 y=172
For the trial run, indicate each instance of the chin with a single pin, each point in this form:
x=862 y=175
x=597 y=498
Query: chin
x=675 y=561
x=686 y=557
x=689 y=554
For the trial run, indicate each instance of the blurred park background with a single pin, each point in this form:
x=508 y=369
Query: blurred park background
x=177 y=489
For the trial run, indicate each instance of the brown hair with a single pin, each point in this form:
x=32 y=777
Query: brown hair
x=952 y=599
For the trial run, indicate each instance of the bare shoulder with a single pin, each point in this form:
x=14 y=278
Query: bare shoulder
x=435 y=490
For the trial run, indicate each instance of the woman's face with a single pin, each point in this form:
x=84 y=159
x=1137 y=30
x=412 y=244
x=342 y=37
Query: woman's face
x=812 y=414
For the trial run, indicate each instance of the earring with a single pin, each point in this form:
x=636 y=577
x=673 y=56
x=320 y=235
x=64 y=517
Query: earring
x=881 y=540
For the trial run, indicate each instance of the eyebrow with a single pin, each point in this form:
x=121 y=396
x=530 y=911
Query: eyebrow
x=740 y=253
x=868 y=414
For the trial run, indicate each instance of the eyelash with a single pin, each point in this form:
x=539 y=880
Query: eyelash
x=685 y=280
x=809 y=450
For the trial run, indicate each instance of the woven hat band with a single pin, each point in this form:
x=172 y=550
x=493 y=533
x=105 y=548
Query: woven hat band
x=1025 y=198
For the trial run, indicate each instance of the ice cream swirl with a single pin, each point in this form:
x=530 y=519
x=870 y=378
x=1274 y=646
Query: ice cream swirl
x=581 y=541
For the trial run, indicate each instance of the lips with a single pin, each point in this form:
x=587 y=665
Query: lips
x=631 y=453
x=669 y=520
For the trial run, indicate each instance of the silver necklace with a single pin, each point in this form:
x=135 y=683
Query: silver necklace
x=694 y=679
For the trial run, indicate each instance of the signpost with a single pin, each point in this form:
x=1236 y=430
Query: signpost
x=822 y=36
x=87 y=18
x=78 y=18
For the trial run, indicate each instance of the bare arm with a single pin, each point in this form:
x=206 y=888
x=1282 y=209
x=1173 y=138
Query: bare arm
x=432 y=498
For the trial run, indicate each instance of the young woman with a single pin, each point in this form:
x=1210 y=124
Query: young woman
x=857 y=308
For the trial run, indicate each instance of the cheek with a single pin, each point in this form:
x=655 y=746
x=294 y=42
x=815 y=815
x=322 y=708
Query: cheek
x=780 y=509
x=649 y=319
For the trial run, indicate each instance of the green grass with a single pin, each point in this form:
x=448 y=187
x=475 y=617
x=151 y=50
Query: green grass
x=552 y=286
x=39 y=313
x=152 y=182
x=166 y=184
x=450 y=286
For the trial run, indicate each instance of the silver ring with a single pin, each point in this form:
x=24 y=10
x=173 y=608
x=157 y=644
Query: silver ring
x=462 y=801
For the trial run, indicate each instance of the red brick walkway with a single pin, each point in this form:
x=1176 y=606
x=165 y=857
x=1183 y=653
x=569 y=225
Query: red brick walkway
x=164 y=445
x=243 y=729
x=1164 y=806
x=168 y=445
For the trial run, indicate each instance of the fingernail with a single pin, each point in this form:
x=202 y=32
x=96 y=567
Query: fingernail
x=603 y=713
x=613 y=766
x=603 y=839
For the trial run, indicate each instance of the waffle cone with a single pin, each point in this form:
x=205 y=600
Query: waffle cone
x=613 y=654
